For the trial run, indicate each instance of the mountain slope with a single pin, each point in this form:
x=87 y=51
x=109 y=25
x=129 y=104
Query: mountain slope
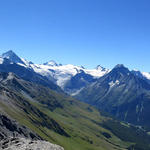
x=61 y=119
x=122 y=94
x=143 y=75
x=78 y=82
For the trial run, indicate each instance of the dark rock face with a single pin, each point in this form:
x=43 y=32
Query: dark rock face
x=11 y=132
x=10 y=128
x=16 y=137
x=140 y=75
x=77 y=82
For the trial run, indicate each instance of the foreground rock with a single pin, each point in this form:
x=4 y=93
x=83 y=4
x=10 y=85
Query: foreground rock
x=11 y=128
x=17 y=137
x=27 y=144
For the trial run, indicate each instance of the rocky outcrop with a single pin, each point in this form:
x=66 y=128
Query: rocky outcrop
x=10 y=128
x=16 y=137
x=27 y=144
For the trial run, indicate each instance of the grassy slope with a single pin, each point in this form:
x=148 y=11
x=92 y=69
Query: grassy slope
x=80 y=121
x=76 y=120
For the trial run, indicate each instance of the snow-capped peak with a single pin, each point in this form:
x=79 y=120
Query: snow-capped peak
x=58 y=73
x=8 y=54
x=100 y=68
x=12 y=57
x=51 y=63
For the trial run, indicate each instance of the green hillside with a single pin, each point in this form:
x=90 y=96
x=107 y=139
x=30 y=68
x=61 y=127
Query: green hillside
x=65 y=121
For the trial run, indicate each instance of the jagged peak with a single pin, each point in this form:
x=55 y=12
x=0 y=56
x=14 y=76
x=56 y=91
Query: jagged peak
x=8 y=53
x=12 y=57
x=99 y=67
x=51 y=63
x=119 y=66
x=82 y=67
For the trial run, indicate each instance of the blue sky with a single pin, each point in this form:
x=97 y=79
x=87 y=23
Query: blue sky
x=80 y=32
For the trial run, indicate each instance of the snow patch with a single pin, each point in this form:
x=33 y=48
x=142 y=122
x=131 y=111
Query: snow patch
x=63 y=73
x=111 y=84
x=1 y=60
x=77 y=92
x=51 y=63
x=10 y=76
x=96 y=73
x=146 y=75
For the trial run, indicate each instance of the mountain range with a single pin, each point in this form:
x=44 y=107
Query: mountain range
x=122 y=94
x=42 y=97
x=63 y=75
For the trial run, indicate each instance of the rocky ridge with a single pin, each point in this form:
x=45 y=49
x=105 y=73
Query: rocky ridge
x=16 y=137
x=12 y=143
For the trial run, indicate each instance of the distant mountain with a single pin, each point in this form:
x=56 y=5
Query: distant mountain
x=59 y=119
x=51 y=63
x=12 y=57
x=100 y=68
x=10 y=62
x=121 y=93
x=62 y=75
x=118 y=91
